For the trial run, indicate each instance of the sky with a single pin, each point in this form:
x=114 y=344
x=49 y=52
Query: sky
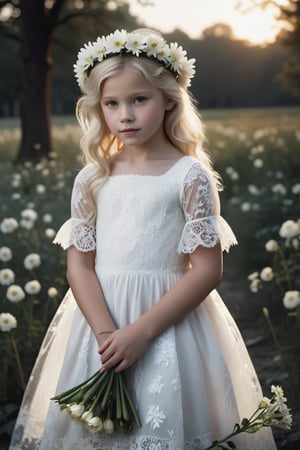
x=193 y=16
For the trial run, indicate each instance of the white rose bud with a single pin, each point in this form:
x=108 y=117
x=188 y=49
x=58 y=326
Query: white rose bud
x=76 y=410
x=108 y=426
x=95 y=424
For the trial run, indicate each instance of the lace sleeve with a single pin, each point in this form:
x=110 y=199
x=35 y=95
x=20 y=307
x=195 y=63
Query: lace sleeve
x=76 y=231
x=204 y=224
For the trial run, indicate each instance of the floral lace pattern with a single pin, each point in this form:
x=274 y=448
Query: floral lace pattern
x=204 y=225
x=206 y=232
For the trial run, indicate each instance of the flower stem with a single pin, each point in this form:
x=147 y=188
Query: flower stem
x=274 y=336
x=285 y=268
x=19 y=365
x=133 y=410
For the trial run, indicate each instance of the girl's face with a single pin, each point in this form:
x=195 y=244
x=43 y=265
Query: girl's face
x=133 y=109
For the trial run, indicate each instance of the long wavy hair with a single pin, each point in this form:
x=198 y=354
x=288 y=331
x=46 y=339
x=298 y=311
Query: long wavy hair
x=183 y=125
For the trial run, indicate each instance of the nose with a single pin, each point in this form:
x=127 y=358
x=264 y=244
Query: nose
x=126 y=114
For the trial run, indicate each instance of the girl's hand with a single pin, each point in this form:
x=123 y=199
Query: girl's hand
x=123 y=347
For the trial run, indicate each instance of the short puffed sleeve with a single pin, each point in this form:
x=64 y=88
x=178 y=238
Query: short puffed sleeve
x=200 y=203
x=76 y=231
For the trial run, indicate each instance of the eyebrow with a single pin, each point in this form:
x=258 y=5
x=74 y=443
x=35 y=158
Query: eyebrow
x=134 y=94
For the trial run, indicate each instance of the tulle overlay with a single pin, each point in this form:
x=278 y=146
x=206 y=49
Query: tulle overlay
x=196 y=379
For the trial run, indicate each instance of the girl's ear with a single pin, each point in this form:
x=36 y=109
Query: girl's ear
x=169 y=105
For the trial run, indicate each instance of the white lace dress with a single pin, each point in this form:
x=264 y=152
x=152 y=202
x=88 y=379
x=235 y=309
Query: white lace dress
x=195 y=381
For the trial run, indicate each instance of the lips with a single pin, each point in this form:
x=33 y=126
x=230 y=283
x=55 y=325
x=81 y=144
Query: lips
x=129 y=130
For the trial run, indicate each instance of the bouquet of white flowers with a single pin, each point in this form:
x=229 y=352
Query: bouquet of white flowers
x=101 y=403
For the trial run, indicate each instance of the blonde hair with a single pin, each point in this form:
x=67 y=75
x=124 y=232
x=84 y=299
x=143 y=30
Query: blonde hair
x=183 y=124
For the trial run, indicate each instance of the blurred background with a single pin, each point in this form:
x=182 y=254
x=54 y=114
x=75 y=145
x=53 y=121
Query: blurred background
x=247 y=87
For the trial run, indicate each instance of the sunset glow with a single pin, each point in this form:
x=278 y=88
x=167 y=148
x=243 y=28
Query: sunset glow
x=257 y=26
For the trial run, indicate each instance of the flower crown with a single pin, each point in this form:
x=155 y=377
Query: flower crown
x=152 y=46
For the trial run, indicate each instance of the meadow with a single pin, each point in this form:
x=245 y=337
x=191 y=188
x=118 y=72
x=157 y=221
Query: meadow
x=256 y=152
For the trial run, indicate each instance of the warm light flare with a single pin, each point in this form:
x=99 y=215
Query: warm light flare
x=256 y=25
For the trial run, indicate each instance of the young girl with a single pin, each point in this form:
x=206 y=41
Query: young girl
x=144 y=258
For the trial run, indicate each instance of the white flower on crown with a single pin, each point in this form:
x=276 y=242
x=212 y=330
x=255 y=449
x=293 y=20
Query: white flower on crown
x=135 y=44
x=177 y=57
x=172 y=56
x=99 y=48
x=115 y=42
x=154 y=45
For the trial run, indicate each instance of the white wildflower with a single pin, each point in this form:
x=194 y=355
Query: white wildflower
x=15 y=293
x=267 y=274
x=279 y=188
x=253 y=276
x=50 y=233
x=40 y=189
x=52 y=292
x=296 y=189
x=291 y=299
x=32 y=287
x=8 y=225
x=289 y=229
x=16 y=196
x=47 y=218
x=7 y=277
x=15 y=183
x=255 y=285
x=246 y=206
x=253 y=189
x=29 y=214
x=5 y=254
x=258 y=163
x=7 y=322
x=272 y=246
x=31 y=261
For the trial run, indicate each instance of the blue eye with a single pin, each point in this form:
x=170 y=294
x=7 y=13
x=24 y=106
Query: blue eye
x=140 y=99
x=111 y=103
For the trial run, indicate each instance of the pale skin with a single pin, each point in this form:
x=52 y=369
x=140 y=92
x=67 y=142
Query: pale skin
x=130 y=103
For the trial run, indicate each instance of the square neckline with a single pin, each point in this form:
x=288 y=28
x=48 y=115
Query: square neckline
x=151 y=176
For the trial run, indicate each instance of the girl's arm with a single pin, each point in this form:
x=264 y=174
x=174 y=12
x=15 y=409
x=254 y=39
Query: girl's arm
x=87 y=291
x=126 y=345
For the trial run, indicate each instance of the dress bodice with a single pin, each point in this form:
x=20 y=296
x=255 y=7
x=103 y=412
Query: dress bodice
x=145 y=222
x=142 y=228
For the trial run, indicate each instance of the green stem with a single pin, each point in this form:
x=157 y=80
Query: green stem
x=123 y=403
x=108 y=389
x=285 y=268
x=100 y=392
x=274 y=336
x=73 y=389
x=132 y=407
x=21 y=374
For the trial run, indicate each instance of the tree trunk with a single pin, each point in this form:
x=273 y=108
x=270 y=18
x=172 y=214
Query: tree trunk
x=35 y=100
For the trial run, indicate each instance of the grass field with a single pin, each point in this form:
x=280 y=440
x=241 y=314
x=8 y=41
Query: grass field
x=257 y=153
